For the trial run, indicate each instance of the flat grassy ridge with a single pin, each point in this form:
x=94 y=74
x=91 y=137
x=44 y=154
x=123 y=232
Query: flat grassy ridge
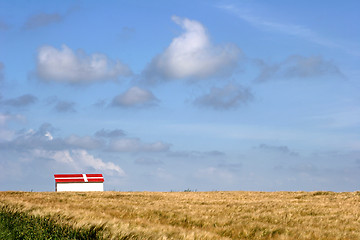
x=185 y=215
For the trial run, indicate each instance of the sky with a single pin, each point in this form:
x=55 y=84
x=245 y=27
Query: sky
x=181 y=95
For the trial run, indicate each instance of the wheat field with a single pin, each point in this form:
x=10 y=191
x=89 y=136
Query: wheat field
x=200 y=215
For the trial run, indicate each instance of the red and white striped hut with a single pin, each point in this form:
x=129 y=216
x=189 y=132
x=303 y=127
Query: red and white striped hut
x=79 y=182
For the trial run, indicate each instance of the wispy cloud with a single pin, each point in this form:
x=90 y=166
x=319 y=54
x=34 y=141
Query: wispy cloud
x=136 y=145
x=127 y=33
x=135 y=97
x=65 y=106
x=61 y=106
x=297 y=67
x=215 y=174
x=296 y=30
x=281 y=149
x=43 y=139
x=21 y=101
x=227 y=97
x=1 y=71
x=148 y=161
x=103 y=133
x=7 y=117
x=41 y=20
x=338 y=118
x=85 y=142
x=196 y=154
x=3 y=25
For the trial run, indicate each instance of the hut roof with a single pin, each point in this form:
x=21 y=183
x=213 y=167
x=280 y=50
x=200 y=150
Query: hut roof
x=78 y=178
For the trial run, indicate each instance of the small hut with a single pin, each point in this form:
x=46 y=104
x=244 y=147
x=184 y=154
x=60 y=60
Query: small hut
x=79 y=182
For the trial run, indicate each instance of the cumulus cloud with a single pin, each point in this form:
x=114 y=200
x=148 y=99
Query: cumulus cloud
x=136 y=145
x=192 y=56
x=110 y=133
x=135 y=97
x=65 y=65
x=58 y=156
x=297 y=67
x=41 y=20
x=21 y=101
x=224 y=98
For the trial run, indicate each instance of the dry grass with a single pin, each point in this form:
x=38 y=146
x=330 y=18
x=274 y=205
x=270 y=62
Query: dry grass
x=201 y=215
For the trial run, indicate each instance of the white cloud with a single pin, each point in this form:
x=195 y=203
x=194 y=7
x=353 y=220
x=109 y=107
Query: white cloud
x=78 y=160
x=65 y=65
x=60 y=156
x=135 y=97
x=49 y=136
x=136 y=145
x=88 y=160
x=192 y=55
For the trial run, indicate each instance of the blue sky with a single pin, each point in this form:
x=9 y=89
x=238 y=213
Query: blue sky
x=175 y=95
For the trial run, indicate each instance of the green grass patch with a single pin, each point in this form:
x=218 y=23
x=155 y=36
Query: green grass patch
x=15 y=224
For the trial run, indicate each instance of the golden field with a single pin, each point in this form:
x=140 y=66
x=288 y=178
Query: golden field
x=200 y=215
